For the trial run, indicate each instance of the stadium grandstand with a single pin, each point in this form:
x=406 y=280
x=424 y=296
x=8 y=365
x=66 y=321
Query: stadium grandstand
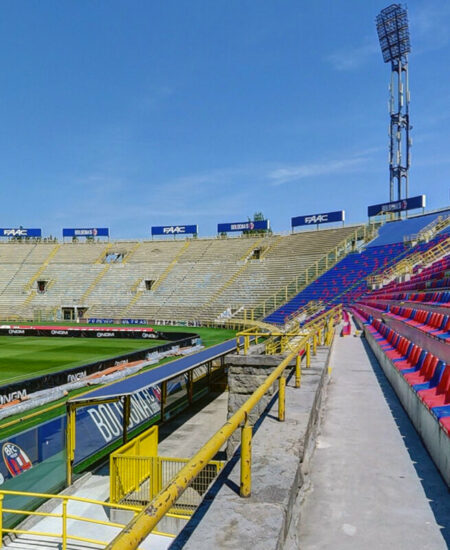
x=388 y=279
x=279 y=390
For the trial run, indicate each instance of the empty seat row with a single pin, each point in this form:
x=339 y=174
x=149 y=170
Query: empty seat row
x=431 y=322
x=427 y=375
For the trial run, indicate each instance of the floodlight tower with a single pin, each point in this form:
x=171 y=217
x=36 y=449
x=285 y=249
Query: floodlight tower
x=393 y=33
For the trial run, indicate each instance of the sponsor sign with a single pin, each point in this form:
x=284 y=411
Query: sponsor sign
x=97 y=426
x=20 y=232
x=82 y=333
x=397 y=206
x=314 y=219
x=86 y=232
x=102 y=321
x=243 y=226
x=174 y=230
x=19 y=390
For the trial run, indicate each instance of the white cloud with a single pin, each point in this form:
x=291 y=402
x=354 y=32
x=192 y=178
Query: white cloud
x=430 y=26
x=349 y=59
x=310 y=170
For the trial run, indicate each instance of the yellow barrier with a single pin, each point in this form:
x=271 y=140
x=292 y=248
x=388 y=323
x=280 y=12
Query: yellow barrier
x=64 y=516
x=407 y=264
x=137 y=474
x=131 y=465
x=144 y=523
x=277 y=340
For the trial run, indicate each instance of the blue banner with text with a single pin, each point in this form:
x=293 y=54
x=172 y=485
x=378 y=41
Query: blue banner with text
x=12 y=232
x=86 y=232
x=396 y=206
x=313 y=219
x=243 y=226
x=174 y=230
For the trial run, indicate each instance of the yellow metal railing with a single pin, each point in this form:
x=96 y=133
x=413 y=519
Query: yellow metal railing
x=94 y=283
x=406 y=265
x=172 y=264
x=137 y=474
x=271 y=247
x=42 y=268
x=136 y=480
x=136 y=284
x=235 y=275
x=430 y=230
x=64 y=516
x=129 y=465
x=144 y=523
x=103 y=254
x=131 y=252
x=323 y=264
x=309 y=309
x=280 y=343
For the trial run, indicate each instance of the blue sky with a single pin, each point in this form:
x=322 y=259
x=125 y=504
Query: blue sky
x=133 y=113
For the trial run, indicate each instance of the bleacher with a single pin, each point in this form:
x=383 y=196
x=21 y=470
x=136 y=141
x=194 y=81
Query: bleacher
x=410 y=322
x=193 y=279
x=427 y=374
x=346 y=281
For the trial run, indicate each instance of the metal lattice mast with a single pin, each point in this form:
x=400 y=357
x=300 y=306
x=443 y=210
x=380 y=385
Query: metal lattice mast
x=393 y=33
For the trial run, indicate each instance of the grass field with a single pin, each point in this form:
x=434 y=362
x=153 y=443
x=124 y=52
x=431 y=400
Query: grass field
x=21 y=356
x=29 y=356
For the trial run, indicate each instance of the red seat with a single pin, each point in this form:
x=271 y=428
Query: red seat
x=435 y=397
x=425 y=373
x=411 y=361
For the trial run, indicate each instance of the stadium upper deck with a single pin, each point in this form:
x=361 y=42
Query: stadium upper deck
x=181 y=280
x=195 y=279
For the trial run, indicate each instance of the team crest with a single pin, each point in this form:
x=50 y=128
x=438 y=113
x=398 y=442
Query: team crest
x=15 y=459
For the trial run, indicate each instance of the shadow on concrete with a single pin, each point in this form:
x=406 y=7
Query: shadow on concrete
x=169 y=426
x=223 y=479
x=433 y=484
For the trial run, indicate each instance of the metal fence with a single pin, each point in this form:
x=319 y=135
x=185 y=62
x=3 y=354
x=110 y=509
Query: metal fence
x=136 y=480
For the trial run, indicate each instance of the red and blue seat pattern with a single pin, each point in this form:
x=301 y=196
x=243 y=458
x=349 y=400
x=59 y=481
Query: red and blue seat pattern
x=344 y=282
x=428 y=375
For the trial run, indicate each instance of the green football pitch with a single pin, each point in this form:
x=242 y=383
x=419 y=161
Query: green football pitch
x=24 y=357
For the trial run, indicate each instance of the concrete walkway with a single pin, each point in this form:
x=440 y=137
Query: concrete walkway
x=365 y=491
x=183 y=436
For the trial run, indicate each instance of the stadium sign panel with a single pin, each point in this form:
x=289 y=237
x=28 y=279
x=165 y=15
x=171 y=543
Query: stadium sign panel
x=313 y=219
x=174 y=230
x=243 y=226
x=20 y=232
x=97 y=427
x=396 y=206
x=86 y=232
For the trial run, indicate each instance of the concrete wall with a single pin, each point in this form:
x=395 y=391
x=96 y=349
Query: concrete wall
x=435 y=439
x=280 y=455
x=426 y=341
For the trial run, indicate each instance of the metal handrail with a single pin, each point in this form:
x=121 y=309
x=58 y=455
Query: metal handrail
x=144 y=523
x=64 y=516
x=301 y=281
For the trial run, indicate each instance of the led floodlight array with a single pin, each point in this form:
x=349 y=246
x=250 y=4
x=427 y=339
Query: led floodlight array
x=393 y=33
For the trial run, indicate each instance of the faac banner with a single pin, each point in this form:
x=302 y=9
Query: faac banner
x=86 y=232
x=243 y=226
x=397 y=206
x=313 y=219
x=174 y=229
x=20 y=232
